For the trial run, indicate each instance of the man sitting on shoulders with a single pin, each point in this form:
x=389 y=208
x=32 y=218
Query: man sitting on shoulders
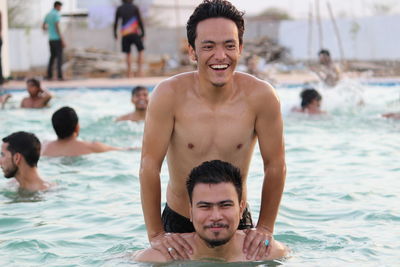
x=38 y=96
x=66 y=126
x=140 y=99
x=216 y=207
x=20 y=153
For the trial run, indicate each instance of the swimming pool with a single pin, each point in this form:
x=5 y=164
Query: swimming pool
x=340 y=204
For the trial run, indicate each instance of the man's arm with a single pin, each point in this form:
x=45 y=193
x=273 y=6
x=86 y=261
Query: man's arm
x=116 y=24
x=159 y=125
x=45 y=96
x=141 y=25
x=149 y=255
x=269 y=130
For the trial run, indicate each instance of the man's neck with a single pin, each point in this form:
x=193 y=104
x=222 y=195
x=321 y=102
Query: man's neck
x=227 y=252
x=29 y=179
x=67 y=140
x=213 y=92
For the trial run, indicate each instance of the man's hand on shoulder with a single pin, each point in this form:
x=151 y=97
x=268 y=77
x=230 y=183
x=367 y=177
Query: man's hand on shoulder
x=256 y=246
x=172 y=245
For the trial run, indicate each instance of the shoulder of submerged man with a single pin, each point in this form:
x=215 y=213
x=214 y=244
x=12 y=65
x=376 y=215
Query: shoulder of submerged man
x=149 y=255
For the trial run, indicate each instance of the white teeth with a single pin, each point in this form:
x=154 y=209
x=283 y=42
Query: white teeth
x=219 y=67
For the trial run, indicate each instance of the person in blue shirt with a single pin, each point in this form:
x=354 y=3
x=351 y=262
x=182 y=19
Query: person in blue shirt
x=52 y=24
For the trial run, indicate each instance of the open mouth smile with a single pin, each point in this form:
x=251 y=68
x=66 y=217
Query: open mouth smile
x=219 y=67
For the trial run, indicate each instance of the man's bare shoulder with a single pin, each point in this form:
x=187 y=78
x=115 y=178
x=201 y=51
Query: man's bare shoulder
x=177 y=83
x=149 y=255
x=253 y=85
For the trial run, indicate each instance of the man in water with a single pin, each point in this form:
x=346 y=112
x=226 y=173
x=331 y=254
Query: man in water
x=310 y=102
x=3 y=99
x=20 y=153
x=132 y=32
x=210 y=113
x=327 y=71
x=66 y=125
x=140 y=99
x=56 y=40
x=38 y=96
x=216 y=206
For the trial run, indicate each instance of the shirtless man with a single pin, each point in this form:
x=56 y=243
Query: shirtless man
x=66 y=125
x=327 y=71
x=215 y=192
x=140 y=99
x=38 y=97
x=20 y=153
x=211 y=113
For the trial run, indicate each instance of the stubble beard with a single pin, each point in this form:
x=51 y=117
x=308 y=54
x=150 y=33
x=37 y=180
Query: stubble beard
x=11 y=172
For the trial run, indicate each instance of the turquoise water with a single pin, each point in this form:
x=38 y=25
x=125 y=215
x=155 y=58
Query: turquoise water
x=340 y=205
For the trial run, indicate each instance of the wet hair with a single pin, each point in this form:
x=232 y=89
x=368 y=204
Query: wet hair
x=214 y=9
x=137 y=89
x=324 y=52
x=34 y=81
x=308 y=95
x=215 y=172
x=27 y=144
x=64 y=122
x=57 y=3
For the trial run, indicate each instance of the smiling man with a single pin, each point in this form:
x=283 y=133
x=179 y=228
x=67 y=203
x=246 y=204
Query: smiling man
x=140 y=99
x=213 y=112
x=216 y=207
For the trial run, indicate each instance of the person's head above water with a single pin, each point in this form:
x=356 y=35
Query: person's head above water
x=214 y=9
x=140 y=98
x=33 y=87
x=16 y=146
x=311 y=100
x=215 y=193
x=65 y=122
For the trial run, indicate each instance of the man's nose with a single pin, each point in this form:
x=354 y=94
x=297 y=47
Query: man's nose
x=220 y=53
x=216 y=213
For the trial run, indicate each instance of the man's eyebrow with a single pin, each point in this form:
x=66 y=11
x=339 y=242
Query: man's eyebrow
x=217 y=203
x=213 y=42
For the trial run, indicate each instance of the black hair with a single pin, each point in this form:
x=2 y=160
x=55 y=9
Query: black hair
x=215 y=172
x=64 y=122
x=214 y=9
x=324 y=52
x=34 y=81
x=137 y=89
x=57 y=3
x=27 y=144
x=308 y=95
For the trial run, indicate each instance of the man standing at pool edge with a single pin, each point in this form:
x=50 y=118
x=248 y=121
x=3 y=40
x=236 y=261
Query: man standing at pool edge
x=211 y=113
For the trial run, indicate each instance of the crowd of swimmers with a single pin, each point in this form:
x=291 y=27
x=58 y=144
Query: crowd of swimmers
x=206 y=124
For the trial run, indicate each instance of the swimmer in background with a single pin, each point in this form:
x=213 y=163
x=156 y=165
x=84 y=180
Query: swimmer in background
x=216 y=206
x=38 y=96
x=20 y=153
x=66 y=125
x=392 y=115
x=140 y=99
x=310 y=102
x=327 y=71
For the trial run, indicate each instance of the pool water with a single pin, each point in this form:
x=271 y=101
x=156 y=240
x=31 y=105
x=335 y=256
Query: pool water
x=340 y=205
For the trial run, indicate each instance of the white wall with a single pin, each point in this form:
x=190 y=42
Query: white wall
x=4 y=35
x=378 y=38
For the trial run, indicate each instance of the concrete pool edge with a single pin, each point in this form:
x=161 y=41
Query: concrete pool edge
x=286 y=80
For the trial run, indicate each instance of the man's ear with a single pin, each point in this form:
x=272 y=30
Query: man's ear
x=242 y=206
x=192 y=53
x=17 y=157
x=240 y=49
x=190 y=212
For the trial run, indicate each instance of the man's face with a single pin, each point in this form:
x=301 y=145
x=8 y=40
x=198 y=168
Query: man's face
x=314 y=106
x=58 y=7
x=140 y=99
x=215 y=212
x=324 y=58
x=217 y=50
x=7 y=162
x=32 y=89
